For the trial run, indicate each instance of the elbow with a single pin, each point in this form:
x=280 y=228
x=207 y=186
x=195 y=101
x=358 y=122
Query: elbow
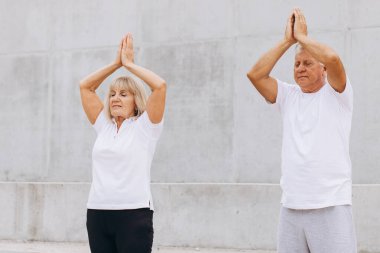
x=162 y=86
x=253 y=77
x=250 y=76
x=332 y=59
x=82 y=85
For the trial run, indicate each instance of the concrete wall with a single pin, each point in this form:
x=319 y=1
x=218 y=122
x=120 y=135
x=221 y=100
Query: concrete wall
x=216 y=168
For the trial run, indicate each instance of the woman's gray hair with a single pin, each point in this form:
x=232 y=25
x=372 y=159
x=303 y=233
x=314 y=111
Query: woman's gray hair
x=131 y=85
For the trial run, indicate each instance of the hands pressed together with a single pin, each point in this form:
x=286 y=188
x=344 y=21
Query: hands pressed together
x=125 y=55
x=296 y=28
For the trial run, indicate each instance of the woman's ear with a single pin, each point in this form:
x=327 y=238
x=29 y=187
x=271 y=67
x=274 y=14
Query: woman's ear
x=136 y=111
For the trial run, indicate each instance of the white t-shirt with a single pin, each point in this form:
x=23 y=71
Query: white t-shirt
x=121 y=162
x=316 y=165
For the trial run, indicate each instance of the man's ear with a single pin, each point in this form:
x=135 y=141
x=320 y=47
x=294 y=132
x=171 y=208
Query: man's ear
x=324 y=73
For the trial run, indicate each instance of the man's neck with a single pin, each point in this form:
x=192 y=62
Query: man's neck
x=312 y=88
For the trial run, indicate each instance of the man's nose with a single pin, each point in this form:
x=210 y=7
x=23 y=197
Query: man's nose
x=301 y=68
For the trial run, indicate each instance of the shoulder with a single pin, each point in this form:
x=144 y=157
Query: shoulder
x=284 y=88
x=286 y=85
x=150 y=129
x=101 y=122
x=345 y=98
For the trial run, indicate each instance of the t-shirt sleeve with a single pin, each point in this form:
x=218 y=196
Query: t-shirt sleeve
x=282 y=93
x=150 y=129
x=346 y=98
x=100 y=122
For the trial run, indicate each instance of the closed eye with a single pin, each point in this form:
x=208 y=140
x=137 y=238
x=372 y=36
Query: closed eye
x=308 y=63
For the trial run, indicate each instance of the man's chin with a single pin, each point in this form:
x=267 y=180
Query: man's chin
x=302 y=83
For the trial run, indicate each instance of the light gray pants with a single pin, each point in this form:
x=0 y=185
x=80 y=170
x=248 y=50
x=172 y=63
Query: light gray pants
x=324 y=230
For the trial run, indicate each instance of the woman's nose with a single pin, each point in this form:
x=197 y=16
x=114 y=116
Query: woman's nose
x=115 y=97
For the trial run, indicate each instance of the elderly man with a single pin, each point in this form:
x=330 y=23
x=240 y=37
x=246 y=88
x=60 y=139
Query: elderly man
x=316 y=213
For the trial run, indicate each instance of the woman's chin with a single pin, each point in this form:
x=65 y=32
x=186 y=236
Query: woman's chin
x=116 y=114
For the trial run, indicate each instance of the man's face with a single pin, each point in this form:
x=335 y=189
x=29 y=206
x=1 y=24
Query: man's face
x=309 y=74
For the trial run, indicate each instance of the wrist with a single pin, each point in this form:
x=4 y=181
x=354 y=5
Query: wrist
x=301 y=38
x=288 y=43
x=128 y=65
x=116 y=64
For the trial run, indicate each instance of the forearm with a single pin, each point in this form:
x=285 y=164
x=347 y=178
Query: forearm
x=154 y=81
x=319 y=51
x=265 y=64
x=93 y=81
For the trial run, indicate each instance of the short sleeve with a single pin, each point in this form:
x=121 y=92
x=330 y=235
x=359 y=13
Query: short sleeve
x=150 y=129
x=282 y=93
x=100 y=122
x=346 y=97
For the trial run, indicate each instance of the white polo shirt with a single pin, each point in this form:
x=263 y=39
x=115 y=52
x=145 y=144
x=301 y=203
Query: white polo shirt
x=121 y=162
x=316 y=165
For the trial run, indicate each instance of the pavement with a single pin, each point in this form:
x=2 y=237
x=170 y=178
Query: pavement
x=50 y=247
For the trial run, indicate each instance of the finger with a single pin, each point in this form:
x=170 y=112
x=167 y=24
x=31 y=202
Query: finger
x=302 y=17
x=130 y=41
x=292 y=19
x=291 y=15
x=290 y=22
x=124 y=42
x=296 y=15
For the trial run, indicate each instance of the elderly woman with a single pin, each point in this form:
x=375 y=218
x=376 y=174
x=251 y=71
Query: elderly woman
x=120 y=208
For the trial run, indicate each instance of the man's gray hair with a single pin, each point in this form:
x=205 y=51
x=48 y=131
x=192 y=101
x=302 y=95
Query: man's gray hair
x=298 y=48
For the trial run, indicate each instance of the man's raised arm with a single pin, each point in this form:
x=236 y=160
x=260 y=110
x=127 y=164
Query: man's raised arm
x=259 y=73
x=336 y=74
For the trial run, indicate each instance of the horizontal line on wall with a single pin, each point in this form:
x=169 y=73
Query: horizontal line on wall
x=170 y=183
x=364 y=27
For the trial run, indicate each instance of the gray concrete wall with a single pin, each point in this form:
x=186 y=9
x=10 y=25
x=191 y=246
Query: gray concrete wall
x=216 y=168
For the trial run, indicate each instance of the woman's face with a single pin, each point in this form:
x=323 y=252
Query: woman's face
x=122 y=103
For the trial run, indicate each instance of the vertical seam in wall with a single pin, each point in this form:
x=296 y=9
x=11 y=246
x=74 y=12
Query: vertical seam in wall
x=347 y=37
x=234 y=92
x=49 y=102
x=19 y=218
x=49 y=118
x=348 y=46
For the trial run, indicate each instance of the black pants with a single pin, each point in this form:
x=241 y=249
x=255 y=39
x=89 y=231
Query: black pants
x=120 y=231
